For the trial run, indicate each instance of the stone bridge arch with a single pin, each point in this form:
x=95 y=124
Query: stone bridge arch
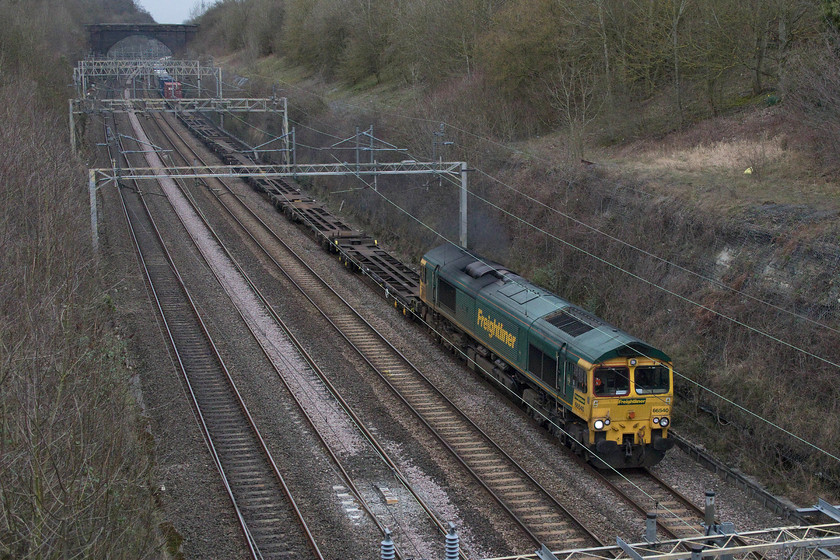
x=103 y=36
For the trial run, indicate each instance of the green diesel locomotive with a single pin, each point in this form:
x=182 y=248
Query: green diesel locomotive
x=605 y=393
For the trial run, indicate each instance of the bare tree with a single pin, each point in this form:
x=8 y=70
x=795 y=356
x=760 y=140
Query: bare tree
x=575 y=96
x=678 y=8
x=813 y=93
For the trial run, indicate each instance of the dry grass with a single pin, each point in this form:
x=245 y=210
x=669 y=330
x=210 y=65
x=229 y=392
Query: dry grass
x=707 y=164
x=730 y=156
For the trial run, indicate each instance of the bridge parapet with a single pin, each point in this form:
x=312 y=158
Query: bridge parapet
x=103 y=36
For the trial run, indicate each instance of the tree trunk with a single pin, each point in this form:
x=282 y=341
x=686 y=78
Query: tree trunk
x=603 y=26
x=760 y=53
x=680 y=10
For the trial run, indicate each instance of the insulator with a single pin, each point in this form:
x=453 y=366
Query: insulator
x=386 y=547
x=453 y=543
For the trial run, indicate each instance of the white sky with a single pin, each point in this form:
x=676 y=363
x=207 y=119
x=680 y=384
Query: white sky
x=168 y=11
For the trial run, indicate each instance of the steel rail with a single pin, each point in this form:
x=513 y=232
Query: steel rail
x=321 y=377
x=174 y=347
x=671 y=520
x=673 y=526
x=205 y=421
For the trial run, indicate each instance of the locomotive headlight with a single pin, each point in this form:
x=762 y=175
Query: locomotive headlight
x=664 y=422
x=656 y=420
x=606 y=421
x=599 y=424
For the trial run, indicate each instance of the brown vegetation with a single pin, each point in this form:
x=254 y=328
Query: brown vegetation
x=75 y=477
x=603 y=70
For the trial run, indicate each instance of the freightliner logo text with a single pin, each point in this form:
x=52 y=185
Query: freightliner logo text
x=495 y=329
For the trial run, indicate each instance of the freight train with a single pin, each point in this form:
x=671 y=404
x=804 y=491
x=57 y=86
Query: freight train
x=603 y=392
x=169 y=87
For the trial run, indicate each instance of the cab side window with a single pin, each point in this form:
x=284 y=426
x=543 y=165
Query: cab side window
x=568 y=374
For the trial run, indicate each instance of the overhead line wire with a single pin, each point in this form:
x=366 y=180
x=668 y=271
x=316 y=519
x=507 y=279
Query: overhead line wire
x=653 y=284
x=617 y=267
x=749 y=412
x=604 y=261
x=656 y=257
x=608 y=263
x=508 y=389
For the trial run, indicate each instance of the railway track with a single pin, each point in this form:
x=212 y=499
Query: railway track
x=271 y=522
x=676 y=516
x=306 y=384
x=530 y=506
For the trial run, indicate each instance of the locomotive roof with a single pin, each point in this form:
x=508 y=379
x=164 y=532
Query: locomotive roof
x=590 y=337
